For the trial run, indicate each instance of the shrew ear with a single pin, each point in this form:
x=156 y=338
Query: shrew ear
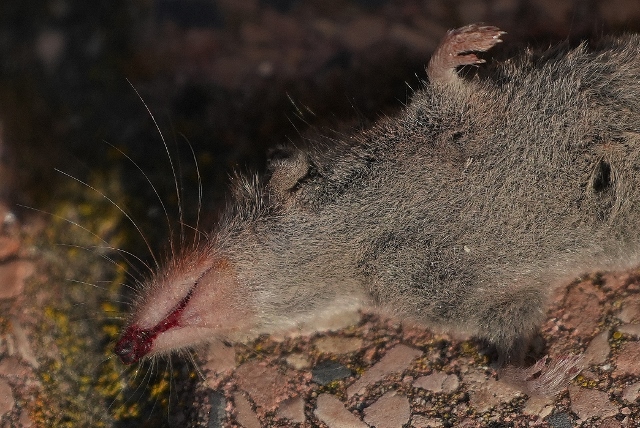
x=288 y=168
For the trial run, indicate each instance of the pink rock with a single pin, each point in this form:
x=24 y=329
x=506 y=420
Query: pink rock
x=220 y=358
x=292 y=409
x=11 y=366
x=244 y=413
x=298 y=361
x=390 y=411
x=23 y=345
x=610 y=423
x=539 y=406
x=598 y=350
x=627 y=361
x=264 y=384
x=583 y=308
x=587 y=403
x=396 y=360
x=630 y=329
x=630 y=310
x=438 y=382
x=338 y=345
x=8 y=247
x=419 y=421
x=491 y=393
x=631 y=393
x=13 y=276
x=332 y=412
x=6 y=397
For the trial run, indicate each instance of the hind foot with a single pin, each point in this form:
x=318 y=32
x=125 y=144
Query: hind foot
x=457 y=48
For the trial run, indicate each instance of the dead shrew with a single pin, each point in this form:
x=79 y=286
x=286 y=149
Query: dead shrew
x=461 y=214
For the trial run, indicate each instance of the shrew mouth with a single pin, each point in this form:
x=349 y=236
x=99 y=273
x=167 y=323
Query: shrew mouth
x=136 y=342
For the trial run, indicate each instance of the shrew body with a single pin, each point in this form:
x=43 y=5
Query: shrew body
x=461 y=213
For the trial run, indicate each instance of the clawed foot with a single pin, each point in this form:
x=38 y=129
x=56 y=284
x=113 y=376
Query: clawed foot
x=457 y=49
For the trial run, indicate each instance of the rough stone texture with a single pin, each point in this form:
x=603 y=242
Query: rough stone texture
x=260 y=381
x=23 y=345
x=420 y=421
x=631 y=393
x=6 y=397
x=438 y=382
x=328 y=371
x=627 y=362
x=338 y=345
x=12 y=277
x=217 y=414
x=598 y=350
x=298 y=361
x=630 y=311
x=395 y=360
x=389 y=411
x=632 y=330
x=332 y=412
x=244 y=413
x=539 y=406
x=588 y=403
x=220 y=358
x=491 y=393
x=292 y=409
x=560 y=420
x=9 y=247
x=583 y=308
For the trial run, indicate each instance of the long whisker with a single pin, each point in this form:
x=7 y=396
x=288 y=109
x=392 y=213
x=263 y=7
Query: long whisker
x=195 y=162
x=198 y=232
x=144 y=238
x=173 y=170
x=92 y=249
x=164 y=208
x=195 y=364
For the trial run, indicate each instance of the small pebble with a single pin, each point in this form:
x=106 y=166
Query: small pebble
x=332 y=412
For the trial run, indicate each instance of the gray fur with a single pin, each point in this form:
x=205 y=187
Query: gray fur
x=461 y=213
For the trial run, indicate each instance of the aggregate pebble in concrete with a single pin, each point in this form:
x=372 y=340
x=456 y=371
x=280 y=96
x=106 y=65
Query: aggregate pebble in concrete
x=539 y=406
x=292 y=409
x=632 y=330
x=12 y=277
x=627 y=361
x=420 y=421
x=332 y=412
x=631 y=393
x=598 y=350
x=328 y=371
x=560 y=420
x=9 y=247
x=338 y=345
x=389 y=411
x=244 y=413
x=298 y=361
x=396 y=360
x=588 y=403
x=217 y=413
x=6 y=397
x=259 y=381
x=491 y=393
x=220 y=358
x=438 y=382
x=630 y=311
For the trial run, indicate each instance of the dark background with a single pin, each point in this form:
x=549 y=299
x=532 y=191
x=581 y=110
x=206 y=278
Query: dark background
x=230 y=77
